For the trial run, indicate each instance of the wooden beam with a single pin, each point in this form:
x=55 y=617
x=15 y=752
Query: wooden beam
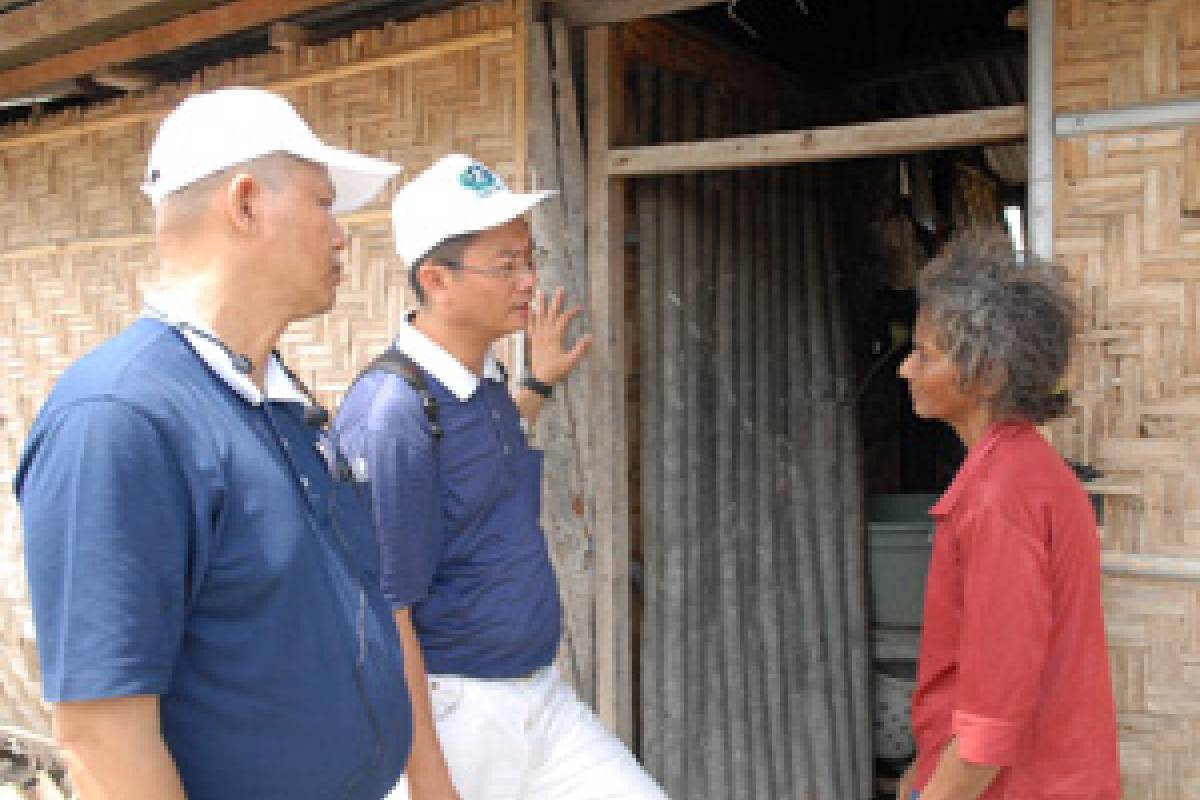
x=198 y=27
x=125 y=79
x=606 y=270
x=287 y=36
x=473 y=41
x=888 y=137
x=48 y=27
x=603 y=12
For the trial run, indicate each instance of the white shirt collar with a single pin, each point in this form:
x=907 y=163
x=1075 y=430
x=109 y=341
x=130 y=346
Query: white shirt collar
x=174 y=309
x=437 y=361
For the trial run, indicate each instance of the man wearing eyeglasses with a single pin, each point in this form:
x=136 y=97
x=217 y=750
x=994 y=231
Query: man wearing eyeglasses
x=456 y=496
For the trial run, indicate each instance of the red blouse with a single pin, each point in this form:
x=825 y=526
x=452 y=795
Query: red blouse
x=1013 y=655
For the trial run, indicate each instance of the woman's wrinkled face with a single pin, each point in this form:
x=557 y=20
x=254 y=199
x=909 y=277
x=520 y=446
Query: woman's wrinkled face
x=933 y=379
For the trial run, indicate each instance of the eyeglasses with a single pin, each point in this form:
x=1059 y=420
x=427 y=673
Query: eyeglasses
x=510 y=269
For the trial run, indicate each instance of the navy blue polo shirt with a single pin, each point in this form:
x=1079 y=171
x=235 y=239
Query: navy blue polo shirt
x=458 y=521
x=184 y=542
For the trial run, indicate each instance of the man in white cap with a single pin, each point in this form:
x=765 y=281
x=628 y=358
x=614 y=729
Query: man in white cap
x=202 y=571
x=456 y=492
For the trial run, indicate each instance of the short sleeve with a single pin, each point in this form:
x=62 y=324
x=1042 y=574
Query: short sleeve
x=106 y=518
x=402 y=469
x=1004 y=635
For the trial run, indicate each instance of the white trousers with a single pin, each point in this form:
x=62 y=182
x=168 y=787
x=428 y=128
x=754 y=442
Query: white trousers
x=529 y=739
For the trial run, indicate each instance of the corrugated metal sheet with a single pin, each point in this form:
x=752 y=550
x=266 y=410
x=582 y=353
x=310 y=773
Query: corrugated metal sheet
x=753 y=661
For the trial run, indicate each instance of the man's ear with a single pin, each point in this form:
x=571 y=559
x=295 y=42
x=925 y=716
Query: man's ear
x=242 y=195
x=433 y=279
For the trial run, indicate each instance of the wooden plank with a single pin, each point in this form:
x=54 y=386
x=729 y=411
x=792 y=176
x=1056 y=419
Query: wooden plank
x=888 y=137
x=570 y=145
x=562 y=428
x=125 y=79
x=162 y=38
x=48 y=27
x=673 y=500
x=606 y=269
x=603 y=12
x=47 y=19
x=650 y=382
x=287 y=36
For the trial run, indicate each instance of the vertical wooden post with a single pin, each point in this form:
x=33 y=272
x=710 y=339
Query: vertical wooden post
x=570 y=145
x=606 y=273
x=563 y=429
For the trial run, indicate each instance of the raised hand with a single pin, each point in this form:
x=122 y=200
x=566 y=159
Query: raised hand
x=549 y=359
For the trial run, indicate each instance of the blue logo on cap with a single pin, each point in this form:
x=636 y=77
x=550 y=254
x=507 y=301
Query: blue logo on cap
x=478 y=179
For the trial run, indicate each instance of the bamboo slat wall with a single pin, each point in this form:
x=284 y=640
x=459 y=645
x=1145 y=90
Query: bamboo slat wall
x=74 y=231
x=1129 y=236
x=753 y=659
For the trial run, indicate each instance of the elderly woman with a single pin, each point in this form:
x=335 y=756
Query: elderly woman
x=1013 y=699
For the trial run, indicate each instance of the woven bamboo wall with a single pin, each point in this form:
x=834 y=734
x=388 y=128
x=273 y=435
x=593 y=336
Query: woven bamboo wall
x=75 y=244
x=1126 y=229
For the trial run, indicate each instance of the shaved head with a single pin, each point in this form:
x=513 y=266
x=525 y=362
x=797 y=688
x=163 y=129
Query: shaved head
x=180 y=212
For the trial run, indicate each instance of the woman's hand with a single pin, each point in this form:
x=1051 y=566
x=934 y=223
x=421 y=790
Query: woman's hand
x=904 y=787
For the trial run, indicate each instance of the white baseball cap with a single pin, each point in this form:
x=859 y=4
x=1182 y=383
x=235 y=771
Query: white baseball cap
x=456 y=195
x=212 y=131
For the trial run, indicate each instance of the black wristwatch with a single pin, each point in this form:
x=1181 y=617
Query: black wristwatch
x=537 y=387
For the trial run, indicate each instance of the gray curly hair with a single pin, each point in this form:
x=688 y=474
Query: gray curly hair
x=1004 y=321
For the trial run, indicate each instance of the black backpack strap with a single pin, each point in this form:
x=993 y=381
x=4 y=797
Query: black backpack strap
x=399 y=364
